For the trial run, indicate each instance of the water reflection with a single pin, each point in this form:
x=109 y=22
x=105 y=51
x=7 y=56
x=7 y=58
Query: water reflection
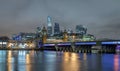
x=50 y=61
x=28 y=66
x=70 y=62
x=60 y=61
x=84 y=62
x=116 y=63
x=9 y=60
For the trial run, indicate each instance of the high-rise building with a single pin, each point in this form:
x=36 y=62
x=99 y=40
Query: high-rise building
x=38 y=30
x=56 y=29
x=49 y=26
x=80 y=29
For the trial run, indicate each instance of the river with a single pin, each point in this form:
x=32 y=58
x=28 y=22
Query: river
x=24 y=60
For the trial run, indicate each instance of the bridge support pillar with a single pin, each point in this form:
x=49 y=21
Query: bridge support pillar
x=73 y=46
x=96 y=49
x=56 y=47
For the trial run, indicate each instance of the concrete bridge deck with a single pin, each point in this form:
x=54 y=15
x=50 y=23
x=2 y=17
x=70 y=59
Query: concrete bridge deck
x=88 y=47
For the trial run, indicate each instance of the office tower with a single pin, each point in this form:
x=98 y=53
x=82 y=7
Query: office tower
x=80 y=29
x=49 y=26
x=38 y=30
x=56 y=29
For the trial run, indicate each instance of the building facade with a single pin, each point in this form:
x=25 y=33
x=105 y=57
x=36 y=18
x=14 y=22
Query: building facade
x=56 y=29
x=24 y=36
x=80 y=29
x=49 y=26
x=38 y=32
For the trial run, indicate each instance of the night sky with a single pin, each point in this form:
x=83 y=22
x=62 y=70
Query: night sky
x=101 y=17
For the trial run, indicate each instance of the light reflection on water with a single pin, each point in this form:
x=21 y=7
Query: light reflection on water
x=57 y=61
x=70 y=62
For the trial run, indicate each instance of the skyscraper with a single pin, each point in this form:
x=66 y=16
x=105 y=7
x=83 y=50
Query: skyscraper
x=38 y=30
x=49 y=26
x=80 y=29
x=56 y=29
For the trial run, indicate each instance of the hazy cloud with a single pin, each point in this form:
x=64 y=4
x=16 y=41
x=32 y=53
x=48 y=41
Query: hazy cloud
x=102 y=18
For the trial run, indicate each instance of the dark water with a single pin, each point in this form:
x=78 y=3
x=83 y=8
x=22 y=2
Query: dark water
x=60 y=61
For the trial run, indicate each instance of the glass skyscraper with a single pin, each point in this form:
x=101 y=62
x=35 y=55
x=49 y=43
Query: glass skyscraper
x=56 y=29
x=49 y=26
x=80 y=29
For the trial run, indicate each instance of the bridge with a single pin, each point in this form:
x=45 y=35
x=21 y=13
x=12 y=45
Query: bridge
x=83 y=47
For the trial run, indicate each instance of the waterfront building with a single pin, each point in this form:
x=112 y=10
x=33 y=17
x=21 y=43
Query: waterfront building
x=3 y=41
x=88 y=37
x=49 y=26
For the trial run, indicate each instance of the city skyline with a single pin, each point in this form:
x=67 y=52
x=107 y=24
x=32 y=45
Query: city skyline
x=100 y=17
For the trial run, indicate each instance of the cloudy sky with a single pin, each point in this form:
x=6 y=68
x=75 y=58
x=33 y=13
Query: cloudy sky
x=101 y=17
